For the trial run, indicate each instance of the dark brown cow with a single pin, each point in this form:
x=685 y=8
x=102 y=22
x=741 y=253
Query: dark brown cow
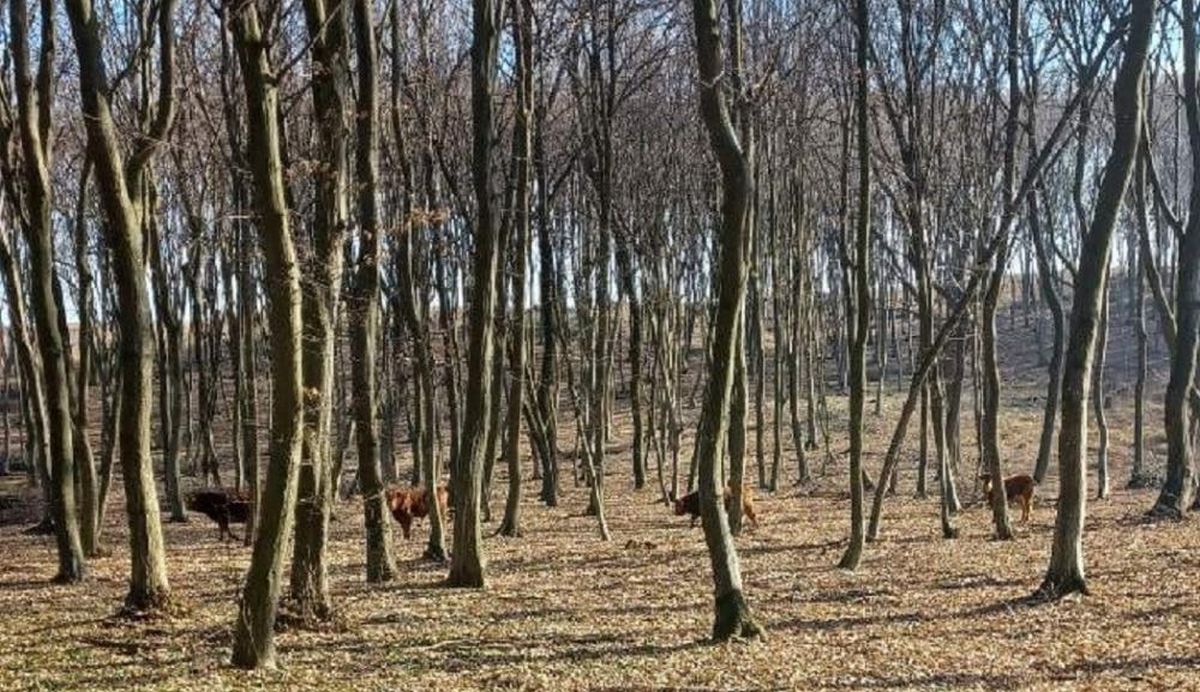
x=222 y=506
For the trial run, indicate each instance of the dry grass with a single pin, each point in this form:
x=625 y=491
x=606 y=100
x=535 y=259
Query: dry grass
x=566 y=611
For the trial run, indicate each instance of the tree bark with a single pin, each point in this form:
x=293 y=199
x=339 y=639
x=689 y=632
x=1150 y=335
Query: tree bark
x=364 y=306
x=467 y=565
x=859 y=309
x=1065 y=574
x=1179 y=488
x=254 y=630
x=322 y=277
x=522 y=11
x=990 y=369
x=33 y=123
x=733 y=616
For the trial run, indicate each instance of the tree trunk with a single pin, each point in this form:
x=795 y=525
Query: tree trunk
x=990 y=369
x=121 y=185
x=414 y=319
x=35 y=149
x=859 y=309
x=467 y=565
x=170 y=385
x=1098 y=397
x=322 y=276
x=254 y=631
x=1066 y=572
x=733 y=617
x=1137 y=475
x=1179 y=488
x=523 y=45
x=89 y=528
x=1048 y=277
x=364 y=305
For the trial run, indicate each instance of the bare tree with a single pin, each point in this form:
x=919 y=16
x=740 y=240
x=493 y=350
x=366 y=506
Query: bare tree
x=858 y=303
x=364 y=302
x=123 y=189
x=733 y=617
x=522 y=13
x=322 y=261
x=467 y=564
x=254 y=630
x=34 y=104
x=1179 y=488
x=1065 y=574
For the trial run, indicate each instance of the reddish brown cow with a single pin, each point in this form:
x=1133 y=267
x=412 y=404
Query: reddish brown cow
x=407 y=504
x=1017 y=488
x=690 y=504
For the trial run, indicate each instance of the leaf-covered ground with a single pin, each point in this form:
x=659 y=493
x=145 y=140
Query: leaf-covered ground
x=567 y=611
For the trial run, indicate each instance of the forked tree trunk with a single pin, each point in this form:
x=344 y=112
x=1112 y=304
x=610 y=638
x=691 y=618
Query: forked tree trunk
x=120 y=184
x=732 y=617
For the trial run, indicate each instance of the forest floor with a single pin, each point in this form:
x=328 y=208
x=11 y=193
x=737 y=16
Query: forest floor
x=565 y=610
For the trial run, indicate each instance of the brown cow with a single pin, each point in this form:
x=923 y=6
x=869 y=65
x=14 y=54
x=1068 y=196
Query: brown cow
x=690 y=504
x=1018 y=487
x=222 y=506
x=407 y=504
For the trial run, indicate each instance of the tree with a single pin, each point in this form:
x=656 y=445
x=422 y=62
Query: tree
x=254 y=630
x=123 y=188
x=321 y=272
x=991 y=372
x=33 y=119
x=364 y=303
x=522 y=11
x=412 y=223
x=1065 y=574
x=858 y=305
x=733 y=616
x=467 y=565
x=1179 y=488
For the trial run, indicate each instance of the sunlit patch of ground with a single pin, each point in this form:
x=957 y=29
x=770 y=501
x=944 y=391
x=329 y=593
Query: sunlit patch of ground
x=567 y=611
